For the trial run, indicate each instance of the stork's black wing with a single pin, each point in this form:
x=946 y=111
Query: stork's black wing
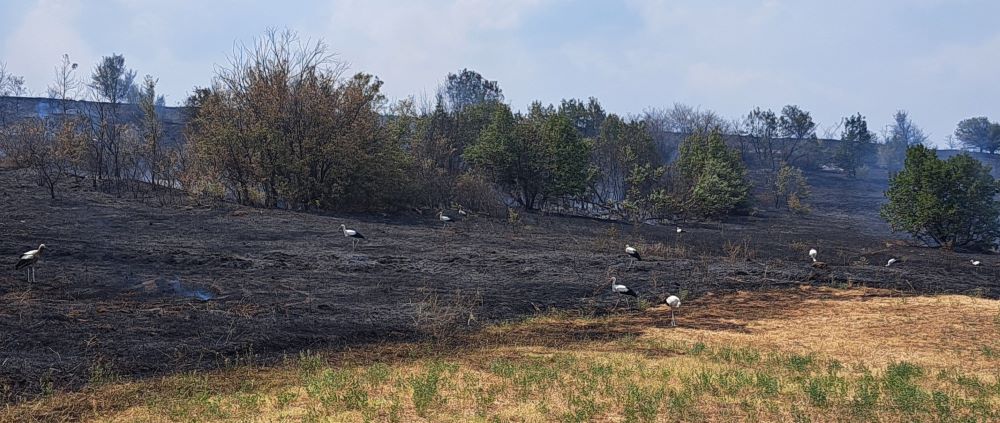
x=23 y=263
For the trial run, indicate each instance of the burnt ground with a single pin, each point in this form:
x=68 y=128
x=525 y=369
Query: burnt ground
x=131 y=290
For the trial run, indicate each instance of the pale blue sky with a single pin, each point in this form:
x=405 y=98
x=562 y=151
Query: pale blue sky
x=938 y=59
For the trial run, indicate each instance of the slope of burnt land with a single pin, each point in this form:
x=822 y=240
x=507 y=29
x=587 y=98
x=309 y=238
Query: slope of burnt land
x=131 y=290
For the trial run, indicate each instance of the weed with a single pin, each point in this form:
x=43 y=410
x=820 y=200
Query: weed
x=766 y=384
x=285 y=398
x=642 y=405
x=377 y=374
x=989 y=352
x=899 y=381
x=698 y=348
x=942 y=404
x=865 y=396
x=425 y=388
x=582 y=407
x=800 y=363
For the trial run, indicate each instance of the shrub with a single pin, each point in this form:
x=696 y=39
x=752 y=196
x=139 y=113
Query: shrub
x=948 y=203
x=792 y=189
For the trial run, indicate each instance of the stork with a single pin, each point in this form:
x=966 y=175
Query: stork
x=351 y=233
x=975 y=262
x=812 y=254
x=29 y=260
x=632 y=252
x=621 y=290
x=679 y=230
x=444 y=219
x=674 y=303
x=890 y=262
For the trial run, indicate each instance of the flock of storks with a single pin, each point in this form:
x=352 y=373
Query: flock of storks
x=30 y=259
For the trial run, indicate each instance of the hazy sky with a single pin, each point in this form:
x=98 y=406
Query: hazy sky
x=938 y=59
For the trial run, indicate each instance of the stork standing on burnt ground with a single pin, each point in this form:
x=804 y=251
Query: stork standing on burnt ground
x=632 y=252
x=355 y=236
x=444 y=219
x=890 y=262
x=812 y=254
x=621 y=290
x=674 y=304
x=29 y=260
x=975 y=262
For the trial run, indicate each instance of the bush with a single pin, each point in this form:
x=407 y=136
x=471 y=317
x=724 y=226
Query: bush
x=792 y=189
x=947 y=203
x=714 y=175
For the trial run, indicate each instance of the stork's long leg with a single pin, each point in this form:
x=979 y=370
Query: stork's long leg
x=616 y=302
x=672 y=321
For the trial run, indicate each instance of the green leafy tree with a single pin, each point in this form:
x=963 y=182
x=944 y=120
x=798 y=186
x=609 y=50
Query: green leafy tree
x=798 y=130
x=534 y=157
x=979 y=133
x=715 y=177
x=587 y=117
x=856 y=143
x=948 y=203
x=468 y=88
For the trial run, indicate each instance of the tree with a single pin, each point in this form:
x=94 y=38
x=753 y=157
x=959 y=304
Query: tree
x=11 y=85
x=66 y=84
x=792 y=189
x=151 y=131
x=979 y=133
x=534 y=157
x=587 y=117
x=761 y=129
x=947 y=203
x=29 y=143
x=856 y=143
x=715 y=178
x=797 y=128
x=281 y=128
x=899 y=136
x=111 y=80
x=111 y=84
x=621 y=146
x=468 y=88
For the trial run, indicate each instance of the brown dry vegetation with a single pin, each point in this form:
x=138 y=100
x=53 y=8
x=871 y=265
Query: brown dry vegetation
x=802 y=354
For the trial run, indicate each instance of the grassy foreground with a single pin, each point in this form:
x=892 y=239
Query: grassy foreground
x=808 y=354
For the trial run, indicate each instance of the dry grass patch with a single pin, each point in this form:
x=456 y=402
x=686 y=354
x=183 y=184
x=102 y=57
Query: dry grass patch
x=794 y=355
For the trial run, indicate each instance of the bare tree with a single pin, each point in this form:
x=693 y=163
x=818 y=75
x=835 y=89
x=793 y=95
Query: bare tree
x=66 y=85
x=13 y=86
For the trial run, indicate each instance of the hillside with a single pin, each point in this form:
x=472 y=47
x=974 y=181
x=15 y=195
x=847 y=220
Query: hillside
x=133 y=291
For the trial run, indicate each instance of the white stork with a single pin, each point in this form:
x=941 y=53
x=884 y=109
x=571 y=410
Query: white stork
x=351 y=233
x=29 y=260
x=890 y=262
x=975 y=262
x=679 y=230
x=812 y=254
x=674 y=303
x=621 y=290
x=632 y=252
x=444 y=219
